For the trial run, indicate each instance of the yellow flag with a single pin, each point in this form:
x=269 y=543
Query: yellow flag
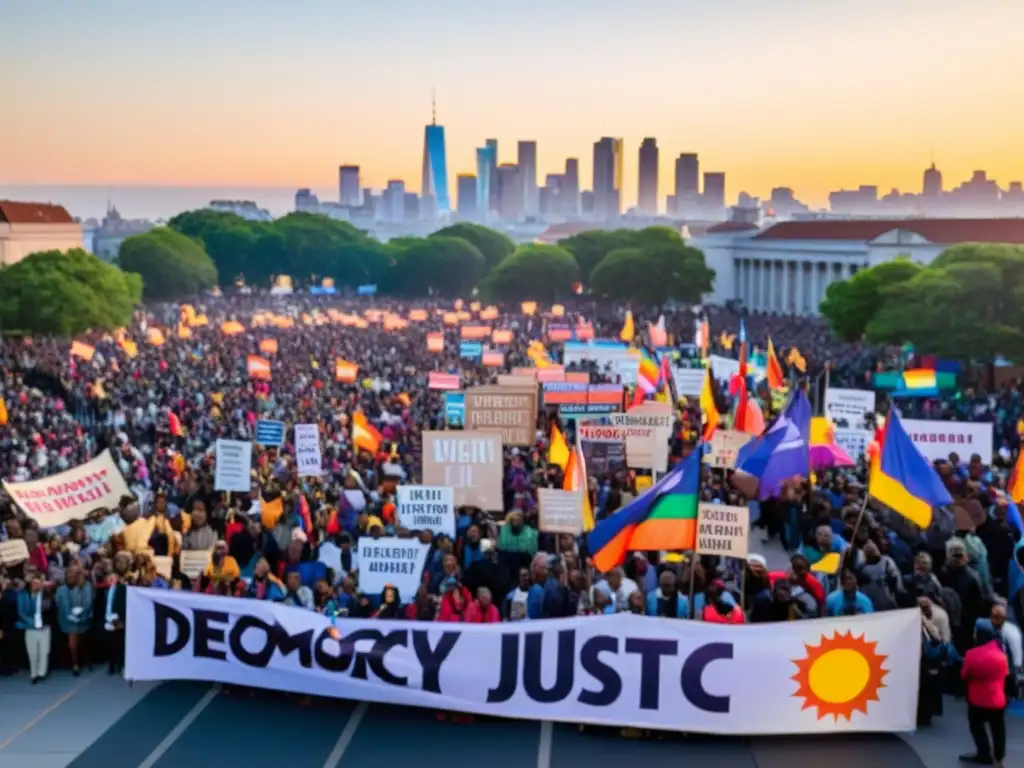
x=558 y=450
x=628 y=329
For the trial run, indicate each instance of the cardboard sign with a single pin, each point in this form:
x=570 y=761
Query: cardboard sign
x=234 y=464
x=427 y=508
x=194 y=561
x=307 y=449
x=471 y=463
x=725 y=444
x=13 y=552
x=723 y=530
x=649 y=427
x=71 y=495
x=513 y=412
x=560 y=511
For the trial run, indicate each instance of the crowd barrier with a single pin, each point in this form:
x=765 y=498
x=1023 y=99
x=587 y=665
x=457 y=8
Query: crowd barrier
x=853 y=674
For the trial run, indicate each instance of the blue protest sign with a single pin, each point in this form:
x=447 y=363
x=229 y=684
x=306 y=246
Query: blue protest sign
x=270 y=433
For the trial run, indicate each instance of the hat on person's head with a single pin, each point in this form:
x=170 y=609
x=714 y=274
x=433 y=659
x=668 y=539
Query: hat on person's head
x=755 y=559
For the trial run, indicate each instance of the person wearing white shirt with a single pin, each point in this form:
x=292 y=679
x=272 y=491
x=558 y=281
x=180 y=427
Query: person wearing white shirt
x=34 y=618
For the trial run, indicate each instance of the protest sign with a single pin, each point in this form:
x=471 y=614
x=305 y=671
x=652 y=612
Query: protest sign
x=688 y=381
x=854 y=442
x=513 y=412
x=468 y=462
x=307 y=449
x=427 y=508
x=560 y=511
x=849 y=407
x=937 y=439
x=71 y=495
x=394 y=561
x=13 y=552
x=604 y=448
x=723 y=530
x=699 y=675
x=234 y=463
x=649 y=427
x=725 y=444
x=270 y=433
x=443 y=381
x=455 y=409
x=517 y=382
x=194 y=561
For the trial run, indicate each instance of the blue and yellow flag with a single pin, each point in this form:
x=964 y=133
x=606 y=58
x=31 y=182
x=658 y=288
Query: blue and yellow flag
x=903 y=479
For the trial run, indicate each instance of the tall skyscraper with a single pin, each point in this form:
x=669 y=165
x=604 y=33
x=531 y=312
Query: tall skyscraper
x=465 y=184
x=485 y=173
x=687 y=175
x=394 y=201
x=527 y=161
x=714 y=189
x=434 y=187
x=647 y=196
x=607 y=177
x=492 y=145
x=569 y=197
x=510 y=193
x=349 y=191
x=932 y=182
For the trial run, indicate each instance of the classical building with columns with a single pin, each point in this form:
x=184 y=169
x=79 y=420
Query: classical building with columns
x=786 y=267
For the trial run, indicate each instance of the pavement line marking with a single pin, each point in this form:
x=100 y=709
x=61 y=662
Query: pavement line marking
x=347 y=734
x=48 y=711
x=180 y=728
x=544 y=747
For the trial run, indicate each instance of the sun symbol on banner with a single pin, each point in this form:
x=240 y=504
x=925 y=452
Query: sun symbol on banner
x=840 y=676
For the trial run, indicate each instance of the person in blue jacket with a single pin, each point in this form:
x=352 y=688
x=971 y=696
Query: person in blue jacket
x=848 y=600
x=667 y=601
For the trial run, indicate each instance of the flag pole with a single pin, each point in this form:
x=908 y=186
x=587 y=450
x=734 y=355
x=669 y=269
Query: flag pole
x=692 y=608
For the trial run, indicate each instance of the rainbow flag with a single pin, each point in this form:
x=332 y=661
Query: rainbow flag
x=663 y=518
x=648 y=374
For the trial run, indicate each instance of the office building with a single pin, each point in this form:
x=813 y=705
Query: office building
x=569 y=194
x=349 y=190
x=485 y=174
x=394 y=201
x=714 y=190
x=687 y=183
x=932 y=182
x=510 y=193
x=647 y=189
x=306 y=201
x=492 y=184
x=434 y=185
x=465 y=186
x=527 y=161
x=607 y=177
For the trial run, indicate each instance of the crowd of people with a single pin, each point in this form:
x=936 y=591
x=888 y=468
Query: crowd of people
x=159 y=408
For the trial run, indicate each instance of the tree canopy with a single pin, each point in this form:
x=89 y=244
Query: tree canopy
x=591 y=247
x=657 y=267
x=850 y=304
x=171 y=265
x=65 y=293
x=436 y=265
x=967 y=304
x=540 y=272
x=495 y=246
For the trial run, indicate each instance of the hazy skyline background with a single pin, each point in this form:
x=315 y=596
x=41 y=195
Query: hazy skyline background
x=812 y=94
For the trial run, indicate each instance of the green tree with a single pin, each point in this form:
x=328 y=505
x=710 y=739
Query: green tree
x=661 y=270
x=435 y=266
x=495 y=246
x=171 y=265
x=538 y=272
x=231 y=241
x=65 y=293
x=591 y=247
x=967 y=304
x=850 y=304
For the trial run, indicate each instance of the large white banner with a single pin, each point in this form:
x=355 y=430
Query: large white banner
x=234 y=463
x=307 y=450
x=71 y=495
x=938 y=439
x=855 y=673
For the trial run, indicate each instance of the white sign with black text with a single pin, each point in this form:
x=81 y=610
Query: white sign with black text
x=234 y=463
x=560 y=511
x=307 y=449
x=427 y=508
x=723 y=530
x=394 y=561
x=849 y=407
x=854 y=442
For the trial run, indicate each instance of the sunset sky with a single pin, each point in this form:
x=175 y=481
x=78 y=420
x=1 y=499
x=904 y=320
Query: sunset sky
x=812 y=94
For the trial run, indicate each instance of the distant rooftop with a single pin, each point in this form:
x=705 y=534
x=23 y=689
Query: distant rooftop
x=940 y=231
x=12 y=212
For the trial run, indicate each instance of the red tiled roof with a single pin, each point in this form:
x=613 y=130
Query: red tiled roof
x=730 y=226
x=12 y=212
x=939 y=231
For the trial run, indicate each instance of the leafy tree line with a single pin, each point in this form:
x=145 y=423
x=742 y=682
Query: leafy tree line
x=652 y=265
x=967 y=304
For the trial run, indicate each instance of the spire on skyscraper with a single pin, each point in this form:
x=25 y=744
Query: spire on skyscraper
x=433 y=106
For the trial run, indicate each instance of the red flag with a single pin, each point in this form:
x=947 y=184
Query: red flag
x=773 y=369
x=738 y=388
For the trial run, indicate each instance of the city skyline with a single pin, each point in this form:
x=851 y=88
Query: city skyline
x=803 y=96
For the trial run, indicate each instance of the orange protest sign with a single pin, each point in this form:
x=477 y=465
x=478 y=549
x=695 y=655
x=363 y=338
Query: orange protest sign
x=258 y=367
x=435 y=342
x=232 y=328
x=84 y=351
x=493 y=359
x=345 y=372
x=418 y=315
x=502 y=336
x=490 y=313
x=268 y=346
x=529 y=307
x=474 y=332
x=450 y=318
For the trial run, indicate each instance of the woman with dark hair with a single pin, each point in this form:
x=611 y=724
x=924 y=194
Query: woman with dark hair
x=390 y=604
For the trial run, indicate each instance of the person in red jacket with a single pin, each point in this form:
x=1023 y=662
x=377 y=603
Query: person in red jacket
x=482 y=610
x=455 y=601
x=984 y=670
x=718 y=611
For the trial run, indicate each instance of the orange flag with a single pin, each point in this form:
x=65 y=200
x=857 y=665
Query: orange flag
x=773 y=370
